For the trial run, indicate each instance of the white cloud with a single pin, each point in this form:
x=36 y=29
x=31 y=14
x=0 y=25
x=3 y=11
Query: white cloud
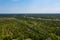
x=30 y=10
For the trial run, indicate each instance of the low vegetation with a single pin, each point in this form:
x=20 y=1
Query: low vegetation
x=20 y=28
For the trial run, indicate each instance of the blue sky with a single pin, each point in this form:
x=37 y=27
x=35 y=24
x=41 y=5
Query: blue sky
x=29 y=6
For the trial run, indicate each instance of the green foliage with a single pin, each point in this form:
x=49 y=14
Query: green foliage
x=24 y=28
x=7 y=38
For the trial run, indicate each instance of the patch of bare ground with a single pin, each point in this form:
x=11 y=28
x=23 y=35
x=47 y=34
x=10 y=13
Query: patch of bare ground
x=8 y=18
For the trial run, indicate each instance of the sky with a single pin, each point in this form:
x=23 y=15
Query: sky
x=29 y=6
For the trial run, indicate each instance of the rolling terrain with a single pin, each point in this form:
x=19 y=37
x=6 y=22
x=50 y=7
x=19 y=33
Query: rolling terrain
x=23 y=28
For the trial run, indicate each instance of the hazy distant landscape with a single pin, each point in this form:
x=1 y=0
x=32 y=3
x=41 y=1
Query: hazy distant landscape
x=29 y=26
x=29 y=19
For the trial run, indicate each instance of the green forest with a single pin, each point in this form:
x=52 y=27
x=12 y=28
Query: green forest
x=21 y=28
